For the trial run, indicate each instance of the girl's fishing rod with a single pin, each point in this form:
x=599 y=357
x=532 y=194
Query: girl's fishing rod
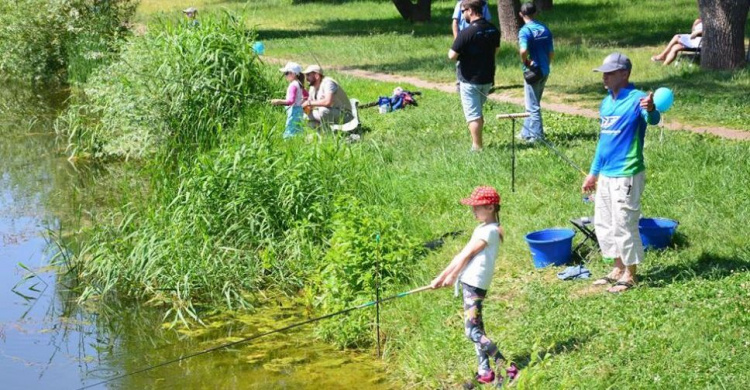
x=298 y=324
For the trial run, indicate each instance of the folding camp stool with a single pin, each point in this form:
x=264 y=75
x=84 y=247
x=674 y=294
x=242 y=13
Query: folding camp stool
x=586 y=226
x=693 y=55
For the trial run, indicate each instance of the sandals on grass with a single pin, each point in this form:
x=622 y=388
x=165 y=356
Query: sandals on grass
x=604 y=281
x=627 y=286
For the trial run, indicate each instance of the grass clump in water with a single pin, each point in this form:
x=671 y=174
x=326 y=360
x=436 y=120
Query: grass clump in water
x=60 y=41
x=249 y=216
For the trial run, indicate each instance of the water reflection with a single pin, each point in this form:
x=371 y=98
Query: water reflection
x=50 y=341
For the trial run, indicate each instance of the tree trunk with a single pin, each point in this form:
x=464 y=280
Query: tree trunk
x=510 y=22
x=723 y=45
x=542 y=5
x=420 y=12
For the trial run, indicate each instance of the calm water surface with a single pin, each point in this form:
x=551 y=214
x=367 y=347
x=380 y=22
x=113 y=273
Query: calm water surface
x=50 y=341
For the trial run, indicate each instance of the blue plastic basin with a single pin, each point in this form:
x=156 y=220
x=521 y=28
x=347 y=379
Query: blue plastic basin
x=550 y=246
x=656 y=233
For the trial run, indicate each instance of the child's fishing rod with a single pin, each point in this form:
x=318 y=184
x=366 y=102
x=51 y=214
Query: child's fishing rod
x=298 y=324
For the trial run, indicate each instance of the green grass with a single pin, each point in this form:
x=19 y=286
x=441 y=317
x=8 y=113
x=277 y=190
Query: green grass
x=682 y=326
x=371 y=35
x=686 y=323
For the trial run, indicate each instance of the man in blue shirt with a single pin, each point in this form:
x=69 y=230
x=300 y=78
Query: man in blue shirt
x=536 y=47
x=617 y=171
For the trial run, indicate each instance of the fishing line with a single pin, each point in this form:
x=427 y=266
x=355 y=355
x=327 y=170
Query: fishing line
x=564 y=157
x=244 y=340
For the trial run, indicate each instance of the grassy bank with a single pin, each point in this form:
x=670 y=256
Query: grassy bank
x=252 y=212
x=371 y=35
x=227 y=210
x=681 y=327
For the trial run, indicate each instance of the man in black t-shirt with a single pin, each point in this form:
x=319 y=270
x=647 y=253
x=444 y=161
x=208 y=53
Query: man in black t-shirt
x=475 y=47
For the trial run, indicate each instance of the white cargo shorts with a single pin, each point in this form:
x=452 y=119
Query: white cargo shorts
x=616 y=215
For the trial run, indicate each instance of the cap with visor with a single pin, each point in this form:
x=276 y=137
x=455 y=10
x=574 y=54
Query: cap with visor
x=482 y=196
x=313 y=69
x=613 y=62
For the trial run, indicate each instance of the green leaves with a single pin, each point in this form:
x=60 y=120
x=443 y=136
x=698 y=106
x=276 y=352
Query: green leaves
x=368 y=247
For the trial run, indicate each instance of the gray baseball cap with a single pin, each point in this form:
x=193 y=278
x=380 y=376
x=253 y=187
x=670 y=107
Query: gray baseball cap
x=613 y=62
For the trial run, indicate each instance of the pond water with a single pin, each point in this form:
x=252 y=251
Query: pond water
x=50 y=341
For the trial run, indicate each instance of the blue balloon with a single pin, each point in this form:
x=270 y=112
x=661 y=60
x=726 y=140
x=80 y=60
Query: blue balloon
x=663 y=99
x=259 y=48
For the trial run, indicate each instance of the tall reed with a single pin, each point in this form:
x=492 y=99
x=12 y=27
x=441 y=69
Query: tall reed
x=177 y=88
x=60 y=41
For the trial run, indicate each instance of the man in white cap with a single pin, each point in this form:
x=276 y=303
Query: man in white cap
x=327 y=102
x=617 y=172
x=191 y=13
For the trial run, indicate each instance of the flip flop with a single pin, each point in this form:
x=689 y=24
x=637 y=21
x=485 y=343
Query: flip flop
x=606 y=280
x=627 y=285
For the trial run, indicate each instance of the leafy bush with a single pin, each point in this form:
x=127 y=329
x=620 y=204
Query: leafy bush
x=367 y=245
x=177 y=88
x=53 y=40
x=252 y=215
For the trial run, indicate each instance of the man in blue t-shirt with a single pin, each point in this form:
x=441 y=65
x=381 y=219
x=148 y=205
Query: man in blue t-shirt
x=536 y=47
x=618 y=171
x=475 y=48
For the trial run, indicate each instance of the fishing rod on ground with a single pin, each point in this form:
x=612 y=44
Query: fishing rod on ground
x=564 y=157
x=513 y=118
x=259 y=335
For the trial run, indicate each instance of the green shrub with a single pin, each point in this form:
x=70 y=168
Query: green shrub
x=367 y=246
x=60 y=40
x=176 y=88
x=251 y=215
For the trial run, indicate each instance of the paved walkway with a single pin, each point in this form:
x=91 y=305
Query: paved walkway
x=557 y=107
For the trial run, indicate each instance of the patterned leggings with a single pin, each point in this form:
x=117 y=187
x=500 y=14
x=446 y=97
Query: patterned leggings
x=474 y=327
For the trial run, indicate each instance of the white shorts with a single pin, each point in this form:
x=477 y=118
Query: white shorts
x=616 y=214
x=684 y=40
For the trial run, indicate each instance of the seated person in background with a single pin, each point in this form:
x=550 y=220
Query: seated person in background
x=327 y=102
x=681 y=42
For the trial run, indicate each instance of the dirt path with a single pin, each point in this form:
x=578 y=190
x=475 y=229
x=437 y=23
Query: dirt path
x=557 y=107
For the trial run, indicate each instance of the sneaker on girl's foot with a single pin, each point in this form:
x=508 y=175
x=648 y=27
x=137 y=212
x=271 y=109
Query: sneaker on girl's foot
x=512 y=372
x=486 y=377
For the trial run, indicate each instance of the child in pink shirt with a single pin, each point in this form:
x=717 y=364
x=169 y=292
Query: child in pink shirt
x=294 y=97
